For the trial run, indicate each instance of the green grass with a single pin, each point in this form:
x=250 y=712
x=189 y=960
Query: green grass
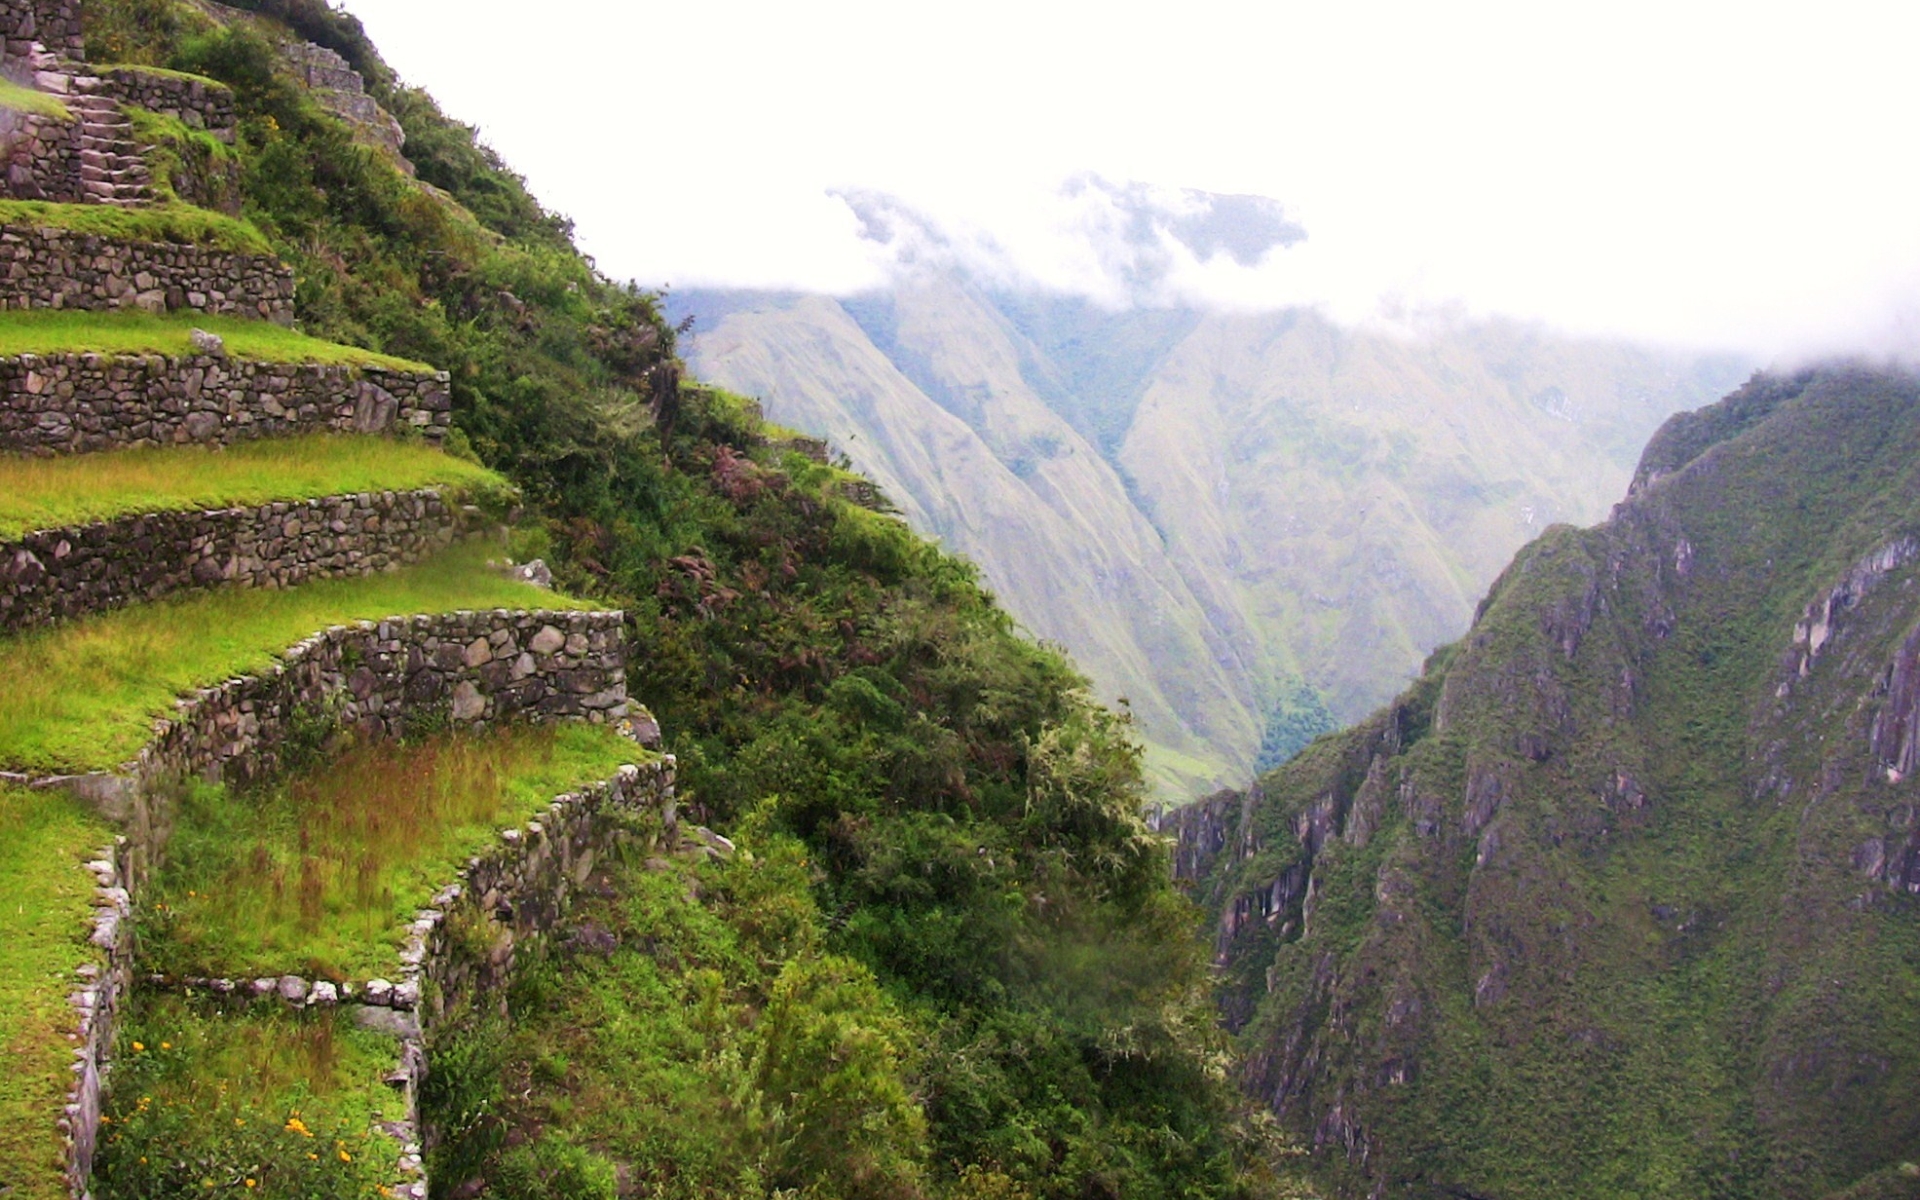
x=25 y=99
x=53 y=493
x=204 y=1100
x=163 y=72
x=44 y=904
x=82 y=697
x=49 y=331
x=181 y=223
x=319 y=875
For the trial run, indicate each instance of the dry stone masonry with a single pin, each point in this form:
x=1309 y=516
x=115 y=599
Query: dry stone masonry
x=77 y=403
x=100 y=987
x=30 y=26
x=340 y=90
x=195 y=102
x=63 y=573
x=383 y=679
x=57 y=268
x=460 y=951
x=40 y=156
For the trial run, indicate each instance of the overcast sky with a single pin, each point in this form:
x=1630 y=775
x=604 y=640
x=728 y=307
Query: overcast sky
x=1738 y=174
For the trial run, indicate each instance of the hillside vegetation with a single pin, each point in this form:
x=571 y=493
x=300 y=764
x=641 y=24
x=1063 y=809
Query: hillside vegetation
x=1619 y=899
x=946 y=959
x=1252 y=526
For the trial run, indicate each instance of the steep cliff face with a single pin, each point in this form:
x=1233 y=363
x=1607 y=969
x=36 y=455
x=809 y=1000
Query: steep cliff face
x=1622 y=898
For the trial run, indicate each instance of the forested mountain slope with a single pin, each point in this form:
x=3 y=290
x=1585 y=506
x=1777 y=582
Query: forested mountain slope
x=1619 y=899
x=1250 y=525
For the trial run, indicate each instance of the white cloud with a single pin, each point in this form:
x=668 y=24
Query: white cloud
x=1728 y=173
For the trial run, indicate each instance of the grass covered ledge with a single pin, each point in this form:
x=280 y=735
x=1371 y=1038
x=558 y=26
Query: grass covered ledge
x=25 y=99
x=84 y=696
x=182 y=224
x=56 y=331
x=57 y=493
x=45 y=904
x=318 y=875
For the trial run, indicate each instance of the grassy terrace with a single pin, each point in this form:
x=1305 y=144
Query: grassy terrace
x=53 y=493
x=318 y=875
x=50 y=331
x=160 y=73
x=81 y=697
x=25 y=99
x=206 y=1100
x=180 y=223
x=44 y=904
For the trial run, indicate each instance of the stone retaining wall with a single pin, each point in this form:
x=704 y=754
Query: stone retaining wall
x=76 y=403
x=57 y=268
x=55 y=24
x=381 y=678
x=100 y=986
x=460 y=951
x=340 y=90
x=196 y=103
x=62 y=573
x=39 y=157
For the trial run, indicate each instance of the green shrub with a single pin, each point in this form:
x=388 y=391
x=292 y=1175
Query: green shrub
x=553 y=1168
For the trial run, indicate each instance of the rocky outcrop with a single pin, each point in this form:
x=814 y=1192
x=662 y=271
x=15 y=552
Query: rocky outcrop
x=57 y=268
x=1895 y=738
x=77 y=403
x=58 y=574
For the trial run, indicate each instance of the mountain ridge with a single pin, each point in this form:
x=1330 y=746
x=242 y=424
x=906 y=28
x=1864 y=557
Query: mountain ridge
x=1326 y=503
x=1617 y=898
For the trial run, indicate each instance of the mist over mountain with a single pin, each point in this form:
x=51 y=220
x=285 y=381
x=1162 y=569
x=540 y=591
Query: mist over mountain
x=1252 y=525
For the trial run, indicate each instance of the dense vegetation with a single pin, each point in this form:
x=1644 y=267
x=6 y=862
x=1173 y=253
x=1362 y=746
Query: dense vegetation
x=1618 y=900
x=954 y=929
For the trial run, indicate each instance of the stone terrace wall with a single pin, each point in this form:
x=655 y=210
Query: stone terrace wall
x=340 y=90
x=62 y=573
x=55 y=24
x=56 y=268
x=99 y=989
x=76 y=403
x=197 y=103
x=519 y=890
x=383 y=679
x=460 y=952
x=39 y=157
